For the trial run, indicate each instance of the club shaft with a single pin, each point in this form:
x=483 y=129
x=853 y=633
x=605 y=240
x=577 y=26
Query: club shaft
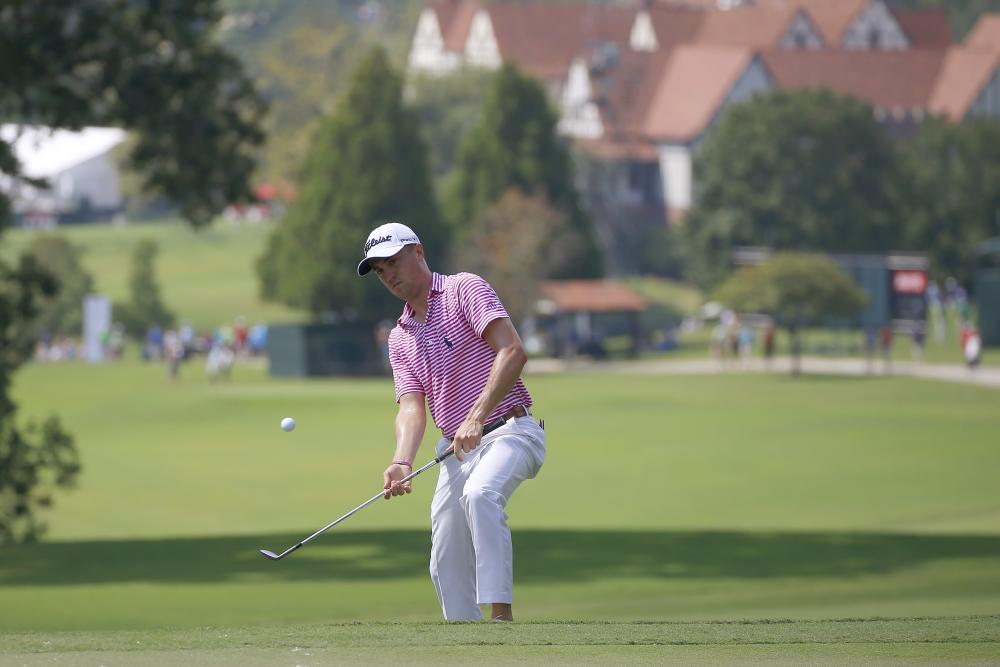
x=380 y=494
x=489 y=428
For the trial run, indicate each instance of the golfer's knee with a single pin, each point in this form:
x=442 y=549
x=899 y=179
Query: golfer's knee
x=479 y=500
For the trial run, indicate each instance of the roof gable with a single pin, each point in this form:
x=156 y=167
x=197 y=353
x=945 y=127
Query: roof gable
x=591 y=296
x=455 y=20
x=625 y=92
x=985 y=35
x=964 y=74
x=544 y=38
x=753 y=26
x=692 y=87
x=887 y=79
x=832 y=17
x=925 y=28
x=672 y=25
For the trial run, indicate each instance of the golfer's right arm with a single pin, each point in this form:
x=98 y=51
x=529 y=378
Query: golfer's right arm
x=411 y=420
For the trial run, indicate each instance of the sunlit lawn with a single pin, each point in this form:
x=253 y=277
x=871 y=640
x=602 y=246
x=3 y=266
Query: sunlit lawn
x=662 y=498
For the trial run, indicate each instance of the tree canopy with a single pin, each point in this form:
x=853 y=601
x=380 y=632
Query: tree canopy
x=513 y=249
x=447 y=108
x=153 y=68
x=799 y=170
x=954 y=179
x=33 y=460
x=796 y=289
x=61 y=314
x=367 y=166
x=150 y=67
x=145 y=307
x=515 y=145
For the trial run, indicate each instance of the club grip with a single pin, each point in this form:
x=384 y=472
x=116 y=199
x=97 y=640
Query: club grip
x=487 y=428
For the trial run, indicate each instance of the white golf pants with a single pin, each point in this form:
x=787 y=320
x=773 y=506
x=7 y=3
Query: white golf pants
x=472 y=559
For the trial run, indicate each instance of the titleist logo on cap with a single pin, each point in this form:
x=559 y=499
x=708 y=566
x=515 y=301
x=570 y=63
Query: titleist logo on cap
x=374 y=242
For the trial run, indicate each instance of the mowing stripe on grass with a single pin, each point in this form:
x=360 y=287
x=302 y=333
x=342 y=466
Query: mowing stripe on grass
x=945 y=630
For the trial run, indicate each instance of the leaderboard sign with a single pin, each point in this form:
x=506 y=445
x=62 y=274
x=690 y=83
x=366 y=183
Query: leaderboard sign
x=907 y=287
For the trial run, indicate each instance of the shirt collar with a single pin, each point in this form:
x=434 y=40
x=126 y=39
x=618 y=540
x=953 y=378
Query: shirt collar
x=437 y=286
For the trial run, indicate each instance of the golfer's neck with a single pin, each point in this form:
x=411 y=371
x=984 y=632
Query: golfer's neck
x=419 y=303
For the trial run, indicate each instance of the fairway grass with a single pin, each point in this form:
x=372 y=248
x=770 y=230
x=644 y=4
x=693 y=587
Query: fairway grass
x=957 y=640
x=663 y=499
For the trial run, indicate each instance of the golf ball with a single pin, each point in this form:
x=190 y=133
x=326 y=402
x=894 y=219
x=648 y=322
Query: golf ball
x=287 y=424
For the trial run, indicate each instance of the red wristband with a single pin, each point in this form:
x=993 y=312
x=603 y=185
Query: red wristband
x=403 y=463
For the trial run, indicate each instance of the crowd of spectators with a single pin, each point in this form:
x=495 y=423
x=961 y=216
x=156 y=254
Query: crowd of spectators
x=220 y=348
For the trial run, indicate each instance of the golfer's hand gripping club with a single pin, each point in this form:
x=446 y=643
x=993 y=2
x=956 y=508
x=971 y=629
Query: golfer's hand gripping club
x=380 y=494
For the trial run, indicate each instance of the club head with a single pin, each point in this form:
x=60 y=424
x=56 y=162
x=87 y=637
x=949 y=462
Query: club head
x=270 y=554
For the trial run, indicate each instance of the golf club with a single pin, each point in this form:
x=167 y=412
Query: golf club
x=492 y=426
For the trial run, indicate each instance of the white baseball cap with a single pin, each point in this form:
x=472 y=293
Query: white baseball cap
x=385 y=241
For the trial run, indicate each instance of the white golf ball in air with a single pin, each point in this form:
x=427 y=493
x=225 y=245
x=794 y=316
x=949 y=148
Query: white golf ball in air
x=287 y=424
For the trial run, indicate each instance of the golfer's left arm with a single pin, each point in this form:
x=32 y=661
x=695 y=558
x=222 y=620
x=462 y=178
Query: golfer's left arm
x=411 y=421
x=507 y=366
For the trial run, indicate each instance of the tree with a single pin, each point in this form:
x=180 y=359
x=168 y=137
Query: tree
x=801 y=170
x=954 y=176
x=447 y=108
x=516 y=146
x=513 y=248
x=153 y=68
x=368 y=165
x=145 y=307
x=33 y=460
x=61 y=314
x=796 y=289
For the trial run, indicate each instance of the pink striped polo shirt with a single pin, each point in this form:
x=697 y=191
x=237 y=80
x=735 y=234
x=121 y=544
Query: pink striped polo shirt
x=445 y=357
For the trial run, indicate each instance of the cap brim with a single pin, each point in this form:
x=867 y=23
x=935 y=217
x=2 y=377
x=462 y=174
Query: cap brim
x=364 y=266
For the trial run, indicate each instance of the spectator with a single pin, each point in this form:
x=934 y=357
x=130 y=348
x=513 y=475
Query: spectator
x=153 y=348
x=971 y=345
x=935 y=311
x=219 y=363
x=871 y=339
x=918 y=332
x=173 y=352
x=115 y=341
x=257 y=339
x=187 y=338
x=240 y=335
x=718 y=345
x=885 y=342
x=769 y=345
x=745 y=338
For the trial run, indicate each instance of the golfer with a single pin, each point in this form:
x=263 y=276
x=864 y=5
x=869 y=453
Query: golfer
x=455 y=347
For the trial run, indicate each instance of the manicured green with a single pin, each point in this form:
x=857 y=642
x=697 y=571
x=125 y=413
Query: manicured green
x=663 y=498
x=205 y=276
x=839 y=344
x=936 y=641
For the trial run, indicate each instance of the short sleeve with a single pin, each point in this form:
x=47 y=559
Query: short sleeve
x=478 y=302
x=403 y=378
